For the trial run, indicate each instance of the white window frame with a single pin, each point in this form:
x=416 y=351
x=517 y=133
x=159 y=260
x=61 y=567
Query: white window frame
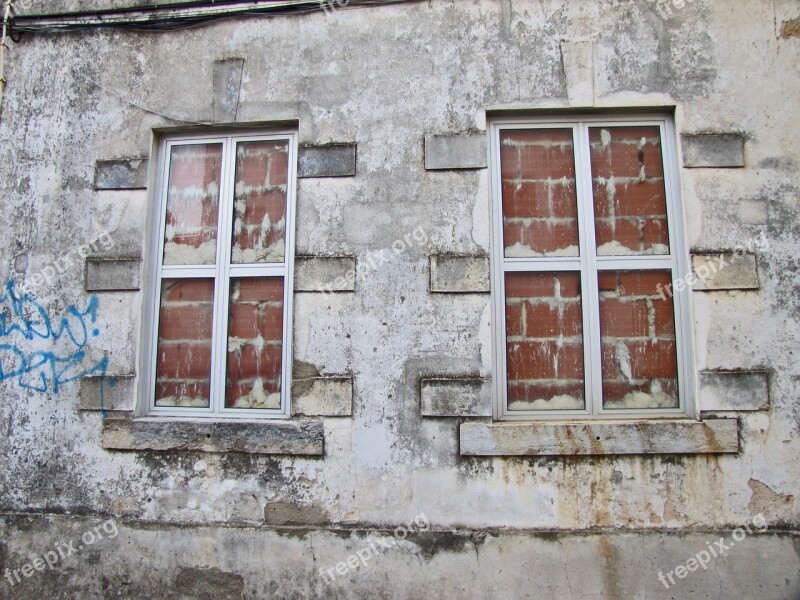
x=222 y=272
x=587 y=264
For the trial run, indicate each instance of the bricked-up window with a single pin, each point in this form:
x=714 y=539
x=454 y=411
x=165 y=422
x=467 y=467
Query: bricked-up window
x=588 y=239
x=221 y=341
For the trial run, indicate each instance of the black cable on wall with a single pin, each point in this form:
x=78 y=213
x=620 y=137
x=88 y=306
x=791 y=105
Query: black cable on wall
x=169 y=17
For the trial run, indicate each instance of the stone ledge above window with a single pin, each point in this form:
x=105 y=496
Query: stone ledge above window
x=714 y=436
x=302 y=438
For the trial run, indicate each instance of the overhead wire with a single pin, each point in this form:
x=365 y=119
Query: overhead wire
x=7 y=10
x=162 y=18
x=172 y=17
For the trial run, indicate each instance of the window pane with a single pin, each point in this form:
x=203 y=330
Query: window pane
x=259 y=219
x=540 y=214
x=637 y=332
x=193 y=204
x=628 y=186
x=255 y=335
x=544 y=341
x=183 y=369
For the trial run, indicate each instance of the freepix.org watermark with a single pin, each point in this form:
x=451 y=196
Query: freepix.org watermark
x=713 y=550
x=666 y=8
x=713 y=267
x=375 y=546
x=49 y=273
x=328 y=6
x=374 y=260
x=62 y=550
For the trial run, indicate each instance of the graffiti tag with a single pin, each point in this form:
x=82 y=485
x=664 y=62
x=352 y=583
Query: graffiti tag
x=24 y=323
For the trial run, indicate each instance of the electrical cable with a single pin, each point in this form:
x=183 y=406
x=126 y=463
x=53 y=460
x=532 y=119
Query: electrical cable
x=163 y=18
x=173 y=17
x=7 y=10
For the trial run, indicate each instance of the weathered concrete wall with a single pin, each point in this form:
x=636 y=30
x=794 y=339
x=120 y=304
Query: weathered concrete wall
x=383 y=80
x=210 y=563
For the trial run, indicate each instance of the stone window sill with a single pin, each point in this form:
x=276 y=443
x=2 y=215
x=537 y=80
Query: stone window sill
x=300 y=438
x=675 y=436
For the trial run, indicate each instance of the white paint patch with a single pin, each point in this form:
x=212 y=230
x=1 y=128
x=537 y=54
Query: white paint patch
x=605 y=138
x=614 y=248
x=371 y=446
x=485 y=340
x=623 y=358
x=655 y=399
x=562 y=402
x=518 y=250
x=186 y=254
x=480 y=213
x=190 y=401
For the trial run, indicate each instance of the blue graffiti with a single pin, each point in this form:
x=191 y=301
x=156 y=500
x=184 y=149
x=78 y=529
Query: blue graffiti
x=24 y=321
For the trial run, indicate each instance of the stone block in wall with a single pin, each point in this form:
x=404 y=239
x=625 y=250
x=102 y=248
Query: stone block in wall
x=724 y=271
x=325 y=274
x=266 y=437
x=329 y=160
x=577 y=58
x=111 y=392
x=734 y=390
x=329 y=396
x=121 y=174
x=455 y=151
x=722 y=150
x=227 y=77
x=291 y=514
x=451 y=397
x=713 y=436
x=459 y=274
x=112 y=274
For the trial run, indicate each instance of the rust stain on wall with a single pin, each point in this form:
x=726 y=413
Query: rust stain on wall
x=790 y=28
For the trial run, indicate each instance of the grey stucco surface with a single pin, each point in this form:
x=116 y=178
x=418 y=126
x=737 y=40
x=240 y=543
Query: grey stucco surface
x=219 y=562
x=382 y=78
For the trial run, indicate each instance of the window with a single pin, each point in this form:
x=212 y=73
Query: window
x=587 y=243
x=221 y=337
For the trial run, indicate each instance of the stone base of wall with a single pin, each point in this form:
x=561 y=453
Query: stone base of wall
x=147 y=560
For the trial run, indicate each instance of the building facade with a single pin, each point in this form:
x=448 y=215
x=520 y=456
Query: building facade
x=446 y=298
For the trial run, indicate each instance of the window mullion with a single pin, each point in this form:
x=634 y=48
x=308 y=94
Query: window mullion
x=573 y=264
x=255 y=270
x=500 y=268
x=222 y=284
x=589 y=295
x=680 y=265
x=287 y=353
x=635 y=263
x=159 y=258
x=498 y=287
